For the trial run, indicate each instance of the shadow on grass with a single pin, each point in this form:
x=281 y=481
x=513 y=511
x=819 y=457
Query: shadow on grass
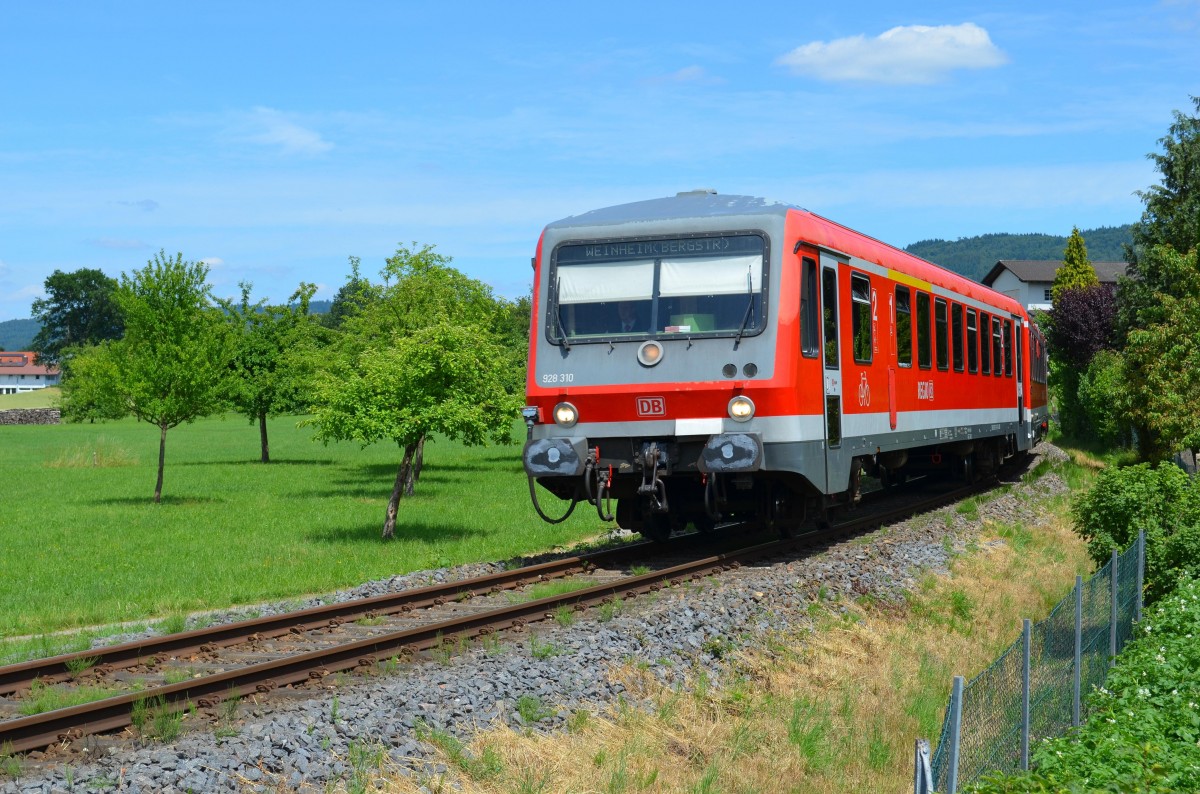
x=257 y=462
x=409 y=531
x=167 y=499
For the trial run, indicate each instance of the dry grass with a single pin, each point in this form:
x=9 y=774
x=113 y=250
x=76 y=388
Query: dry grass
x=103 y=452
x=835 y=710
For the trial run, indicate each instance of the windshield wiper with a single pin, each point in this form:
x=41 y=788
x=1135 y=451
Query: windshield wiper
x=558 y=317
x=749 y=305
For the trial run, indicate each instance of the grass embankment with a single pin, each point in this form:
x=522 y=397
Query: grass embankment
x=836 y=710
x=82 y=544
x=41 y=398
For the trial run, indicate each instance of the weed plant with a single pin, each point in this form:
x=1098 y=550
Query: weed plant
x=540 y=649
x=85 y=546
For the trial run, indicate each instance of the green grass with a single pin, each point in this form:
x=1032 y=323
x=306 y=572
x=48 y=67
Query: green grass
x=84 y=545
x=43 y=697
x=40 y=398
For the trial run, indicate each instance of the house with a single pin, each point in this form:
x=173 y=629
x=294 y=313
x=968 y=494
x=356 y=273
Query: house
x=19 y=373
x=1028 y=281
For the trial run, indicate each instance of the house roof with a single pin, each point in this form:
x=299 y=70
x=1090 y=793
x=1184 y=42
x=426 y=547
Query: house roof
x=21 y=363
x=1030 y=270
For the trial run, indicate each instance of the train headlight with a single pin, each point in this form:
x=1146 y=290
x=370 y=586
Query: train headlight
x=741 y=408
x=565 y=415
x=650 y=353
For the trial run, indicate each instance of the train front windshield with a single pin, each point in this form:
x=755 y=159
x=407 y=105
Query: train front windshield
x=694 y=286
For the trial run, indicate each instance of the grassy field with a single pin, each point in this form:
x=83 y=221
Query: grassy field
x=82 y=544
x=41 y=398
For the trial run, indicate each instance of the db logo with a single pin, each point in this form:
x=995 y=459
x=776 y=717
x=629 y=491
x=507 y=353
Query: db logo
x=651 y=406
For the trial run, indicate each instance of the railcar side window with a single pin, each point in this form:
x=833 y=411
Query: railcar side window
x=985 y=343
x=903 y=327
x=860 y=295
x=924 y=339
x=956 y=334
x=833 y=420
x=1008 y=348
x=829 y=309
x=810 y=331
x=941 y=323
x=997 y=348
x=972 y=343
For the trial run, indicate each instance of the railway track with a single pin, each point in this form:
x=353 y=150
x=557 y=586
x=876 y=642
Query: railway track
x=255 y=657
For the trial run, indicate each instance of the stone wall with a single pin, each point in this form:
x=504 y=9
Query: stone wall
x=30 y=416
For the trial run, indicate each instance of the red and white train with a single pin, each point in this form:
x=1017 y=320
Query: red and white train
x=702 y=358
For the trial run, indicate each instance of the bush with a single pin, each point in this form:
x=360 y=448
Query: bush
x=1161 y=500
x=1101 y=390
x=1143 y=725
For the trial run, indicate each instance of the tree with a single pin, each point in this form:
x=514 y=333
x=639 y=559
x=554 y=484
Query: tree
x=89 y=373
x=1172 y=214
x=1162 y=359
x=79 y=309
x=439 y=379
x=351 y=299
x=1076 y=271
x=273 y=360
x=1169 y=223
x=1171 y=217
x=172 y=366
x=1081 y=324
x=426 y=354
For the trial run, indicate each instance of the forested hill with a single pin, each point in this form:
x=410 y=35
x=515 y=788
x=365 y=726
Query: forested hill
x=17 y=334
x=975 y=256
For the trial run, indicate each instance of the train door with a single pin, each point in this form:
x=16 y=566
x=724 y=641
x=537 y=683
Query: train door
x=1022 y=423
x=836 y=468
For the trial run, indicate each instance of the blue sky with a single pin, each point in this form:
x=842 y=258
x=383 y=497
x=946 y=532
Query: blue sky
x=274 y=140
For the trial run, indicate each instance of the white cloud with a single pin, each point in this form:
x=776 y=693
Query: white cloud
x=213 y=261
x=912 y=54
x=272 y=128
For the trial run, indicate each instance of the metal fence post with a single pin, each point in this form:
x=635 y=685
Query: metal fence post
x=956 y=694
x=1026 y=641
x=1078 y=667
x=1112 y=618
x=1141 y=572
x=922 y=773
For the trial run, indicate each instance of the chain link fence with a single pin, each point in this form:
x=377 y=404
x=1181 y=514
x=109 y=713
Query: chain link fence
x=1035 y=688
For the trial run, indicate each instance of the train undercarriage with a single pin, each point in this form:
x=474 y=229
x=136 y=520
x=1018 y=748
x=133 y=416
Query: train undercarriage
x=660 y=487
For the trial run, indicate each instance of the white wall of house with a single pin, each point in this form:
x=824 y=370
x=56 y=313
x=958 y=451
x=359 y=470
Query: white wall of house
x=1034 y=295
x=12 y=383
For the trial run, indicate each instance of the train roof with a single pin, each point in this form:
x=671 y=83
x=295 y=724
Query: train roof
x=689 y=204
x=705 y=203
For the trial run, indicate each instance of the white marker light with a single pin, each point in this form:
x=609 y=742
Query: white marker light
x=565 y=415
x=741 y=408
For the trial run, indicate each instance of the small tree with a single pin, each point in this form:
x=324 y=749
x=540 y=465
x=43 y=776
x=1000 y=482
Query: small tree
x=1076 y=271
x=79 y=309
x=441 y=379
x=273 y=360
x=171 y=367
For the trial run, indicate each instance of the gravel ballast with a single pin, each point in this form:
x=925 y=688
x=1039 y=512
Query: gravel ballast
x=303 y=740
